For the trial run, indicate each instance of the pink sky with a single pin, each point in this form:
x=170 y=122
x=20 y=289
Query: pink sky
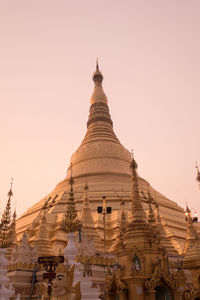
x=149 y=53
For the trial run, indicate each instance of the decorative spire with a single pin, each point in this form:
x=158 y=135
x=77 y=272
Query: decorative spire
x=42 y=243
x=10 y=193
x=70 y=222
x=98 y=94
x=198 y=174
x=86 y=216
x=97 y=75
x=138 y=213
x=191 y=235
x=6 y=220
x=100 y=125
x=12 y=231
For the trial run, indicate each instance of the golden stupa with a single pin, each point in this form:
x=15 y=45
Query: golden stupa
x=103 y=163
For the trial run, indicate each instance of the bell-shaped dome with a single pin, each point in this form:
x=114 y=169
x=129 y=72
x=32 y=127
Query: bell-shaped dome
x=104 y=163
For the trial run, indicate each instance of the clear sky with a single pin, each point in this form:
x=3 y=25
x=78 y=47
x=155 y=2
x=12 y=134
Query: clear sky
x=149 y=53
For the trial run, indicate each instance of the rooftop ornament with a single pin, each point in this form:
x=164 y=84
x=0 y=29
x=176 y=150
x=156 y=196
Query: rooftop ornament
x=188 y=214
x=70 y=222
x=6 y=221
x=198 y=174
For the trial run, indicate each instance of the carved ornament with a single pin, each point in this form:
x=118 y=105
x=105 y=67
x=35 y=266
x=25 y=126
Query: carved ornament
x=159 y=274
x=114 y=282
x=136 y=268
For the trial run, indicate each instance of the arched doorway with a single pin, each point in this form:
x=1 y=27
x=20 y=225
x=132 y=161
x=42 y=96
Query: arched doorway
x=163 y=293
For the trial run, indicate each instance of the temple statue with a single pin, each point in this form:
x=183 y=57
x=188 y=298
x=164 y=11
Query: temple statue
x=62 y=288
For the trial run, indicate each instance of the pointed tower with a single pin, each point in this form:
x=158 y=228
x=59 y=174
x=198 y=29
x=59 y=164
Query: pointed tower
x=198 y=175
x=191 y=235
x=138 y=249
x=100 y=125
x=42 y=243
x=12 y=238
x=164 y=239
x=12 y=231
x=6 y=221
x=138 y=213
x=191 y=253
x=89 y=241
x=138 y=231
x=70 y=223
x=86 y=217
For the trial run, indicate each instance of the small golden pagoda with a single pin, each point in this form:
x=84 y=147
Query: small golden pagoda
x=191 y=260
x=143 y=269
x=8 y=237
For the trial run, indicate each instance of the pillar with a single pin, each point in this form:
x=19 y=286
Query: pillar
x=150 y=294
x=123 y=295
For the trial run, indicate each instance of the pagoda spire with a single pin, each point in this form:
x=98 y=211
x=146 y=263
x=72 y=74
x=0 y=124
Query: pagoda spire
x=99 y=125
x=12 y=231
x=138 y=213
x=70 y=223
x=42 y=243
x=6 y=220
x=198 y=174
x=86 y=216
x=98 y=94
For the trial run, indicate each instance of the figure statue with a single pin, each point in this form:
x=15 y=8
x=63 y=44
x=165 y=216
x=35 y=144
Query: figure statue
x=62 y=285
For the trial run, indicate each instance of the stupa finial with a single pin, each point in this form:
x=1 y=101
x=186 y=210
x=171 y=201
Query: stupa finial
x=97 y=76
x=138 y=213
x=98 y=95
x=10 y=193
x=198 y=174
x=97 y=65
x=99 y=118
